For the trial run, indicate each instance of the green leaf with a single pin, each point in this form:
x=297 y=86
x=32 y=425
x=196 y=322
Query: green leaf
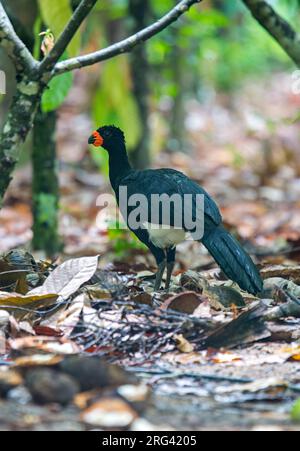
x=295 y=413
x=56 y=14
x=57 y=91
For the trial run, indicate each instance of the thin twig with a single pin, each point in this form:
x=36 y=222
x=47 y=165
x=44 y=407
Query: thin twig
x=127 y=44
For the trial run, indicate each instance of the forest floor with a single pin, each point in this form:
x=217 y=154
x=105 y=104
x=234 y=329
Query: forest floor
x=202 y=357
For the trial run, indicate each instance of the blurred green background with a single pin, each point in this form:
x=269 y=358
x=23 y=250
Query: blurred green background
x=214 y=47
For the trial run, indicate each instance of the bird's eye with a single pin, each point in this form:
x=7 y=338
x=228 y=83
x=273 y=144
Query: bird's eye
x=105 y=133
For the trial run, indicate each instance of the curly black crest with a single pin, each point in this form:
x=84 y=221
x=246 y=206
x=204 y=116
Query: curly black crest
x=111 y=132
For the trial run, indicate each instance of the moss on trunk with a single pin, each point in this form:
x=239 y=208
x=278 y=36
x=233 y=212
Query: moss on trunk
x=45 y=185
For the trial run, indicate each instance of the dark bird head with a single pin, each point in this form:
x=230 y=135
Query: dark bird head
x=109 y=137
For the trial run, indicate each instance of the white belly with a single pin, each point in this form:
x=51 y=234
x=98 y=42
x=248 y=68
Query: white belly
x=165 y=237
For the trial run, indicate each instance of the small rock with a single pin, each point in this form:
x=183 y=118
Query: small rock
x=143 y=425
x=50 y=386
x=93 y=372
x=140 y=424
x=134 y=393
x=20 y=395
x=109 y=413
x=18 y=259
x=137 y=396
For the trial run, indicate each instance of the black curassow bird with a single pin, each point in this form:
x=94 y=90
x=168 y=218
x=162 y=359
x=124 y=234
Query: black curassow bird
x=228 y=253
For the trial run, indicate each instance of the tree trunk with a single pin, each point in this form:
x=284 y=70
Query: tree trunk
x=16 y=129
x=139 y=11
x=177 y=141
x=45 y=185
x=26 y=98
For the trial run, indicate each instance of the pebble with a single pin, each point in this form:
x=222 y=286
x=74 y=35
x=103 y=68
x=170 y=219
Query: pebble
x=93 y=372
x=49 y=386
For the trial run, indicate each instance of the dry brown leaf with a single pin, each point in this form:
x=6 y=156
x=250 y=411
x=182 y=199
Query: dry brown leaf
x=96 y=292
x=69 y=277
x=20 y=305
x=184 y=302
x=45 y=344
x=203 y=311
x=47 y=331
x=37 y=360
x=190 y=358
x=183 y=344
x=286 y=272
x=10 y=378
x=14 y=278
x=48 y=42
x=25 y=327
x=225 y=357
x=142 y=298
x=253 y=387
x=65 y=321
x=294 y=358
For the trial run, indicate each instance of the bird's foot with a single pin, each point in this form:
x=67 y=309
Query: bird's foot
x=159 y=275
x=170 y=268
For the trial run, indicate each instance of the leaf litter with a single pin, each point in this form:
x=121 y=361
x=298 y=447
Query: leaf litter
x=180 y=342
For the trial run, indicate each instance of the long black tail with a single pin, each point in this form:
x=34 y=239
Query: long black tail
x=233 y=260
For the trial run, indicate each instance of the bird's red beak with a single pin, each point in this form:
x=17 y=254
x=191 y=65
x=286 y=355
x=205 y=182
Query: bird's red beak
x=96 y=139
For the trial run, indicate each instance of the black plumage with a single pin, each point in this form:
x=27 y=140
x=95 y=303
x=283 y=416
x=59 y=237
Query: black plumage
x=228 y=253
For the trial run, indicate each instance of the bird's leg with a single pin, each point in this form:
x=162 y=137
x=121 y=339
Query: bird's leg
x=159 y=275
x=171 y=255
x=170 y=268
